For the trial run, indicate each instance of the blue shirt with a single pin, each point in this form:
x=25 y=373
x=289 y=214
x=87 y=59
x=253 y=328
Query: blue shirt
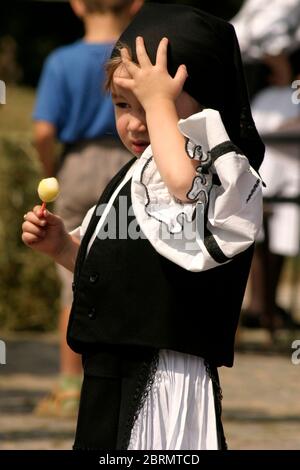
x=71 y=92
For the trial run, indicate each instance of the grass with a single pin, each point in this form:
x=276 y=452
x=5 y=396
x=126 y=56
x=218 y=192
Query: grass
x=29 y=288
x=15 y=115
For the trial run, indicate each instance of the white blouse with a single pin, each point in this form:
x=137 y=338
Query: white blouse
x=231 y=210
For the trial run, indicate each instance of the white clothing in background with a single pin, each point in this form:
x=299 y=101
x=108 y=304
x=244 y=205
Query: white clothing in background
x=280 y=169
x=267 y=27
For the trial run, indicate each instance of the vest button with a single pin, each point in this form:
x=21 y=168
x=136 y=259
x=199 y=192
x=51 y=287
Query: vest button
x=93 y=278
x=73 y=286
x=92 y=313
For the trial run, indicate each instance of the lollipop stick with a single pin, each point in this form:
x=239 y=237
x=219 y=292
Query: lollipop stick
x=43 y=208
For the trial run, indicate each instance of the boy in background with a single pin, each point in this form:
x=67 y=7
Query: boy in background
x=72 y=108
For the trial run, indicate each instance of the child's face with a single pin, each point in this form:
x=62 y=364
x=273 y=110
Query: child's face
x=131 y=118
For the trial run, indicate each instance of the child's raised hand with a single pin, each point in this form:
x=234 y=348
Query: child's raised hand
x=151 y=83
x=44 y=232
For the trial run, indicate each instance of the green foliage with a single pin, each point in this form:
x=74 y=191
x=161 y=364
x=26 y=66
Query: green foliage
x=29 y=288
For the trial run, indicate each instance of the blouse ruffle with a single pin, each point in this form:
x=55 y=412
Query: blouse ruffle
x=225 y=214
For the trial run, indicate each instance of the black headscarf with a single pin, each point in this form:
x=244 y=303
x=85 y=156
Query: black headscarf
x=209 y=48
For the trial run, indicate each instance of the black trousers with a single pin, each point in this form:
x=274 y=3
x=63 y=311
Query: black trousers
x=115 y=384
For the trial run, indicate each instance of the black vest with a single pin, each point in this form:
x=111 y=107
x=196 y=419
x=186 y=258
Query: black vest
x=126 y=294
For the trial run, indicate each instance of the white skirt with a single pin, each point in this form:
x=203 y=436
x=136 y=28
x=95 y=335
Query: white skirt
x=179 y=411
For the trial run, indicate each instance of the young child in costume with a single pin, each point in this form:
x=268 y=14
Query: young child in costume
x=156 y=305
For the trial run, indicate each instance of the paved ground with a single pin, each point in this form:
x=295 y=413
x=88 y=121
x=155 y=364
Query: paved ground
x=30 y=372
x=261 y=394
x=261 y=404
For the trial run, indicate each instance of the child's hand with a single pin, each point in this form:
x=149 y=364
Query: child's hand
x=151 y=83
x=44 y=232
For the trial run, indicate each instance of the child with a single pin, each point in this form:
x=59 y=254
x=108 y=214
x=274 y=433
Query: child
x=71 y=107
x=156 y=305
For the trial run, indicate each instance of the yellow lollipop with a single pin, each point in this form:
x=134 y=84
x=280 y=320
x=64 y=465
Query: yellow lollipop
x=48 y=190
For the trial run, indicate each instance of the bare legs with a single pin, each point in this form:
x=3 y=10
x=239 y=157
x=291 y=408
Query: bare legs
x=264 y=279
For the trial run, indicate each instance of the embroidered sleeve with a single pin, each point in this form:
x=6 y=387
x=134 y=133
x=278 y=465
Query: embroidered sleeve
x=226 y=213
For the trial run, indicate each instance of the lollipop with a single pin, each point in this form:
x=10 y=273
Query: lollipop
x=48 y=190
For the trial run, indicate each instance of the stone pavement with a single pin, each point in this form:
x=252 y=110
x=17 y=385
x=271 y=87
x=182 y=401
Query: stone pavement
x=261 y=406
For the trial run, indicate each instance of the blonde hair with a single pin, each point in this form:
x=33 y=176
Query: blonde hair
x=105 y=6
x=113 y=63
